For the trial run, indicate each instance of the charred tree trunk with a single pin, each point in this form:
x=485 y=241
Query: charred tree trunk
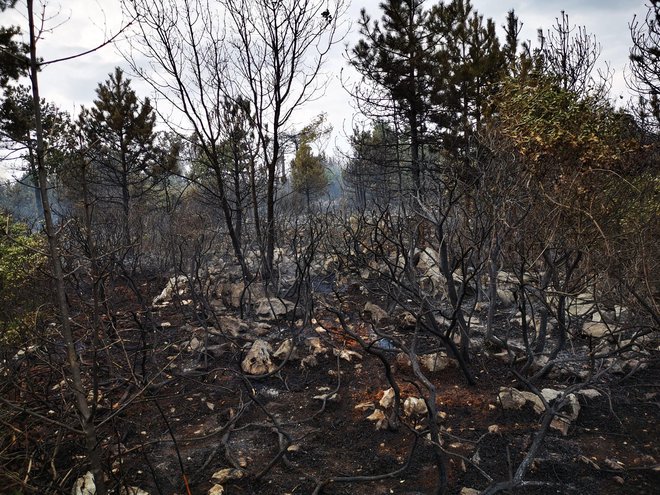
x=77 y=385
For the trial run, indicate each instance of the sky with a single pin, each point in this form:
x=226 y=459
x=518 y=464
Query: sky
x=75 y=26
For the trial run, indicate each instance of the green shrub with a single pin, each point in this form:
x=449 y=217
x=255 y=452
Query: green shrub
x=22 y=280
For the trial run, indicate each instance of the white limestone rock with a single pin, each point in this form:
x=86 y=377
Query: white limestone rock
x=227 y=474
x=273 y=307
x=437 y=361
x=257 y=361
x=175 y=285
x=387 y=398
x=216 y=490
x=287 y=349
x=595 y=329
x=375 y=312
x=415 y=406
x=84 y=485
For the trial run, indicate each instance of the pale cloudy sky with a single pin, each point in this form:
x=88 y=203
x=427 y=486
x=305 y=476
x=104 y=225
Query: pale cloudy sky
x=78 y=25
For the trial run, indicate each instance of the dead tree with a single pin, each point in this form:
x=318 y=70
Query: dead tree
x=55 y=250
x=276 y=52
x=186 y=51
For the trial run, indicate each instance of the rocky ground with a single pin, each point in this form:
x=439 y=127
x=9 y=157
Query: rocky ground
x=273 y=404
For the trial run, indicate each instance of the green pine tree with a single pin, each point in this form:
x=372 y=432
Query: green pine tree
x=17 y=129
x=119 y=131
x=307 y=168
x=469 y=66
x=13 y=54
x=372 y=172
x=396 y=55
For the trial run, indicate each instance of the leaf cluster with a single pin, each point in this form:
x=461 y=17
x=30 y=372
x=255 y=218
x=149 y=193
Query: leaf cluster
x=557 y=133
x=21 y=264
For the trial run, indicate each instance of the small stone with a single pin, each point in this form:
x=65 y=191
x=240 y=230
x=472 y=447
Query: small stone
x=346 y=354
x=613 y=464
x=379 y=417
x=511 y=398
x=595 y=329
x=257 y=361
x=550 y=394
x=227 y=474
x=363 y=406
x=194 y=344
x=132 y=490
x=502 y=356
x=402 y=360
x=314 y=346
x=273 y=307
x=619 y=480
x=286 y=349
x=84 y=485
x=236 y=294
x=561 y=425
x=387 y=398
x=540 y=362
x=407 y=319
x=536 y=401
x=175 y=285
x=469 y=491
x=261 y=329
x=309 y=362
x=506 y=296
x=414 y=406
x=376 y=312
x=328 y=397
x=437 y=361
x=232 y=326
x=493 y=429
x=216 y=490
x=589 y=393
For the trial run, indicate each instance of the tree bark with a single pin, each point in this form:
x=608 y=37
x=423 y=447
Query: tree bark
x=75 y=376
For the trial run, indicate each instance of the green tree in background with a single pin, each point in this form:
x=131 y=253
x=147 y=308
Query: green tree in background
x=645 y=61
x=574 y=154
x=468 y=69
x=397 y=55
x=17 y=129
x=119 y=132
x=21 y=264
x=438 y=68
x=13 y=54
x=372 y=172
x=307 y=168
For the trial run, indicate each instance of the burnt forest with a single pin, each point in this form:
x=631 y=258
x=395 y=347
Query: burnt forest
x=207 y=287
